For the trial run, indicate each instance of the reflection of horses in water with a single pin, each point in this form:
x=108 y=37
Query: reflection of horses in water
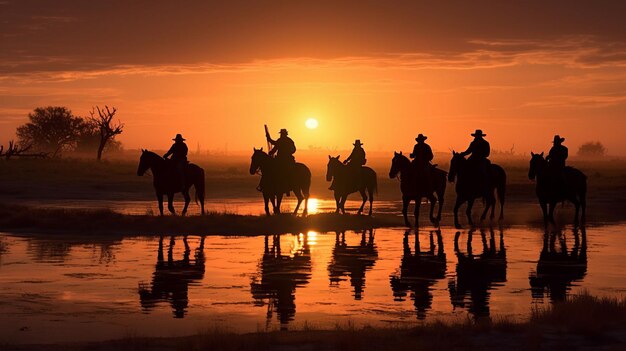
x=419 y=272
x=274 y=183
x=353 y=261
x=558 y=268
x=166 y=181
x=468 y=187
x=414 y=188
x=171 y=278
x=280 y=275
x=347 y=182
x=551 y=188
x=476 y=275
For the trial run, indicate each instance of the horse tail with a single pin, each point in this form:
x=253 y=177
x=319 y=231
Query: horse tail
x=200 y=188
x=501 y=190
x=375 y=183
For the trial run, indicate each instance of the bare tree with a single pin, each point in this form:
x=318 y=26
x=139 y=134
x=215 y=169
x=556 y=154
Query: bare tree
x=104 y=122
x=18 y=151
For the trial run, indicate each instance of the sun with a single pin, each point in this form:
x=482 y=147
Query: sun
x=311 y=123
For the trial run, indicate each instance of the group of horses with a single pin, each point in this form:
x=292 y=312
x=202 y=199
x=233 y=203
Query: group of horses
x=572 y=185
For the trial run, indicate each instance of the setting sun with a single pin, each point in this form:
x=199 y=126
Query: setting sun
x=311 y=123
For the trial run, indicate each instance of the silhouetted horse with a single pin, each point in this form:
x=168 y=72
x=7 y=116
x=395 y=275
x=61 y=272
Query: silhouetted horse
x=419 y=272
x=166 y=181
x=273 y=181
x=353 y=261
x=573 y=188
x=171 y=278
x=414 y=189
x=280 y=275
x=468 y=188
x=346 y=183
x=477 y=275
x=557 y=268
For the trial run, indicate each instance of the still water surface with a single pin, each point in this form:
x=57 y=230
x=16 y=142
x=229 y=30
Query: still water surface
x=70 y=288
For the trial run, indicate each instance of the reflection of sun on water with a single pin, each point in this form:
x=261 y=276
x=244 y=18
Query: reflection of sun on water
x=313 y=205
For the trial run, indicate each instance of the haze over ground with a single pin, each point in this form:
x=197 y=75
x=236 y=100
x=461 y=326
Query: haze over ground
x=378 y=71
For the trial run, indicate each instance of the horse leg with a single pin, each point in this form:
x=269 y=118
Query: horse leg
x=544 y=210
x=266 y=199
x=433 y=202
x=187 y=200
x=440 y=200
x=551 y=208
x=489 y=204
x=371 y=193
x=343 y=203
x=337 y=201
x=160 y=201
x=576 y=203
x=299 y=196
x=364 y=197
x=279 y=200
x=405 y=207
x=457 y=205
x=468 y=211
x=416 y=210
x=170 y=204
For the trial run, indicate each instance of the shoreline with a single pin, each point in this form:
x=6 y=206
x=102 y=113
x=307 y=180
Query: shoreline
x=44 y=220
x=559 y=326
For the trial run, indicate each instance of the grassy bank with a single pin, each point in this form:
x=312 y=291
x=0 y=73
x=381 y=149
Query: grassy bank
x=22 y=218
x=583 y=322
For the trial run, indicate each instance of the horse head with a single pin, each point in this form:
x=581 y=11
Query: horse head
x=257 y=160
x=399 y=162
x=331 y=168
x=537 y=162
x=145 y=162
x=456 y=163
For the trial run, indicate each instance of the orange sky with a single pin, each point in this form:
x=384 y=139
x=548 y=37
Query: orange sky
x=216 y=71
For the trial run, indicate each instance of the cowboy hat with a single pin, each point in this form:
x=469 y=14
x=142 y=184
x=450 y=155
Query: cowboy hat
x=421 y=137
x=558 y=139
x=179 y=137
x=478 y=133
x=357 y=142
x=284 y=131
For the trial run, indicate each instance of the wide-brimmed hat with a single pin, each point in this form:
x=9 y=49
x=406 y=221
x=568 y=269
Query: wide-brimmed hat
x=179 y=137
x=478 y=133
x=284 y=131
x=357 y=142
x=421 y=137
x=558 y=139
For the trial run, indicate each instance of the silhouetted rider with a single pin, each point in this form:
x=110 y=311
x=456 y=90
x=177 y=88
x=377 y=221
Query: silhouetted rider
x=422 y=155
x=355 y=161
x=558 y=154
x=284 y=148
x=357 y=157
x=178 y=151
x=556 y=162
x=479 y=150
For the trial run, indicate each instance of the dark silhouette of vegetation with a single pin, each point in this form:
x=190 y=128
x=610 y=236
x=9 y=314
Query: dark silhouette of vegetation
x=591 y=149
x=17 y=150
x=51 y=129
x=54 y=129
x=104 y=124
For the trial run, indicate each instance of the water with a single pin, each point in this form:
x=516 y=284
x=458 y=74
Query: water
x=58 y=288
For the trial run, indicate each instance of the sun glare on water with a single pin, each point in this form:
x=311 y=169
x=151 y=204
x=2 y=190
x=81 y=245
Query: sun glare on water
x=311 y=123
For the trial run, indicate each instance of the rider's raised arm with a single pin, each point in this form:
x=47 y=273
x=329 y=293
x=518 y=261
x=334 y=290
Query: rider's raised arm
x=169 y=152
x=469 y=149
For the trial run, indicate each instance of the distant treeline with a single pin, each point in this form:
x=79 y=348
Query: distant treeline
x=53 y=130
